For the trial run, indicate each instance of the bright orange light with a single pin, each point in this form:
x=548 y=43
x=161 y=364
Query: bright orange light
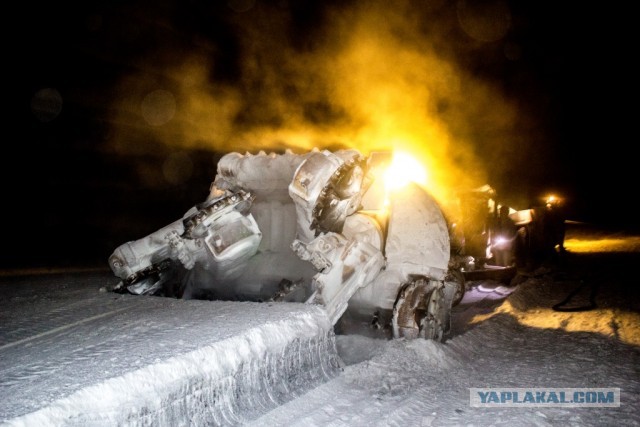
x=404 y=169
x=552 y=200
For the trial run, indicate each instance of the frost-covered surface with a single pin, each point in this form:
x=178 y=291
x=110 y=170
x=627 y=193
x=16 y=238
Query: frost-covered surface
x=72 y=355
x=503 y=336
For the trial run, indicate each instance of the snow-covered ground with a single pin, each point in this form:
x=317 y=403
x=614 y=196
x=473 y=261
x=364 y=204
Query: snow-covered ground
x=506 y=338
x=502 y=338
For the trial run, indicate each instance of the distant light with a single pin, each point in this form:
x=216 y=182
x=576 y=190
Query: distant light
x=499 y=240
x=552 y=200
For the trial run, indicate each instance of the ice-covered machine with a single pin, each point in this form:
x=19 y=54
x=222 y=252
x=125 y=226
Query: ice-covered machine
x=320 y=228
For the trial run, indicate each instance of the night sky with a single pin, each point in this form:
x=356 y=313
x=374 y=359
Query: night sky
x=123 y=107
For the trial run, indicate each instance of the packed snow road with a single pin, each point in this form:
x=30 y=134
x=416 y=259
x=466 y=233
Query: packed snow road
x=72 y=355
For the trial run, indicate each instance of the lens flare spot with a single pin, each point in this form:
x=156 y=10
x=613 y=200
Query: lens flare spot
x=241 y=5
x=486 y=21
x=158 y=107
x=46 y=104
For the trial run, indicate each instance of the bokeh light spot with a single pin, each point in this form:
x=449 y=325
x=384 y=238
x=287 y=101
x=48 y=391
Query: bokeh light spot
x=486 y=20
x=46 y=104
x=158 y=107
x=241 y=5
x=93 y=22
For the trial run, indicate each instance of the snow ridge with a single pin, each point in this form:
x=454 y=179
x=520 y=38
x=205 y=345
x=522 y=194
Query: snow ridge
x=226 y=383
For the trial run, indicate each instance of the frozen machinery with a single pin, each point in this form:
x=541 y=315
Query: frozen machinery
x=319 y=227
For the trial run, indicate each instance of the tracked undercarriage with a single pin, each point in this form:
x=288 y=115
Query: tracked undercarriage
x=320 y=228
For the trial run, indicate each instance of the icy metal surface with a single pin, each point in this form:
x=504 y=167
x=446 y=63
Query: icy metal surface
x=73 y=355
x=267 y=175
x=360 y=258
x=418 y=238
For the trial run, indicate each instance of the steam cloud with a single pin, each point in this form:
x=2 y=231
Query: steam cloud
x=369 y=75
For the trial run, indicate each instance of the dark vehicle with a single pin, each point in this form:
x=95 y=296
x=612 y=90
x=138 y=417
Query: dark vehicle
x=490 y=240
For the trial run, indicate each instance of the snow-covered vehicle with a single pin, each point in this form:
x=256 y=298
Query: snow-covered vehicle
x=319 y=228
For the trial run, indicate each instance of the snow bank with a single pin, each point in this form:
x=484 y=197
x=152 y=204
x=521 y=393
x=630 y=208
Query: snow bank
x=157 y=361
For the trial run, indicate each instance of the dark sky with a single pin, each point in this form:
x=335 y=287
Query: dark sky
x=123 y=107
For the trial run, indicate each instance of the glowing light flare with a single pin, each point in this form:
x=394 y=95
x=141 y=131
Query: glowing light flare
x=500 y=240
x=552 y=200
x=404 y=169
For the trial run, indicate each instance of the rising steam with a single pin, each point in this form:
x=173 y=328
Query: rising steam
x=370 y=76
